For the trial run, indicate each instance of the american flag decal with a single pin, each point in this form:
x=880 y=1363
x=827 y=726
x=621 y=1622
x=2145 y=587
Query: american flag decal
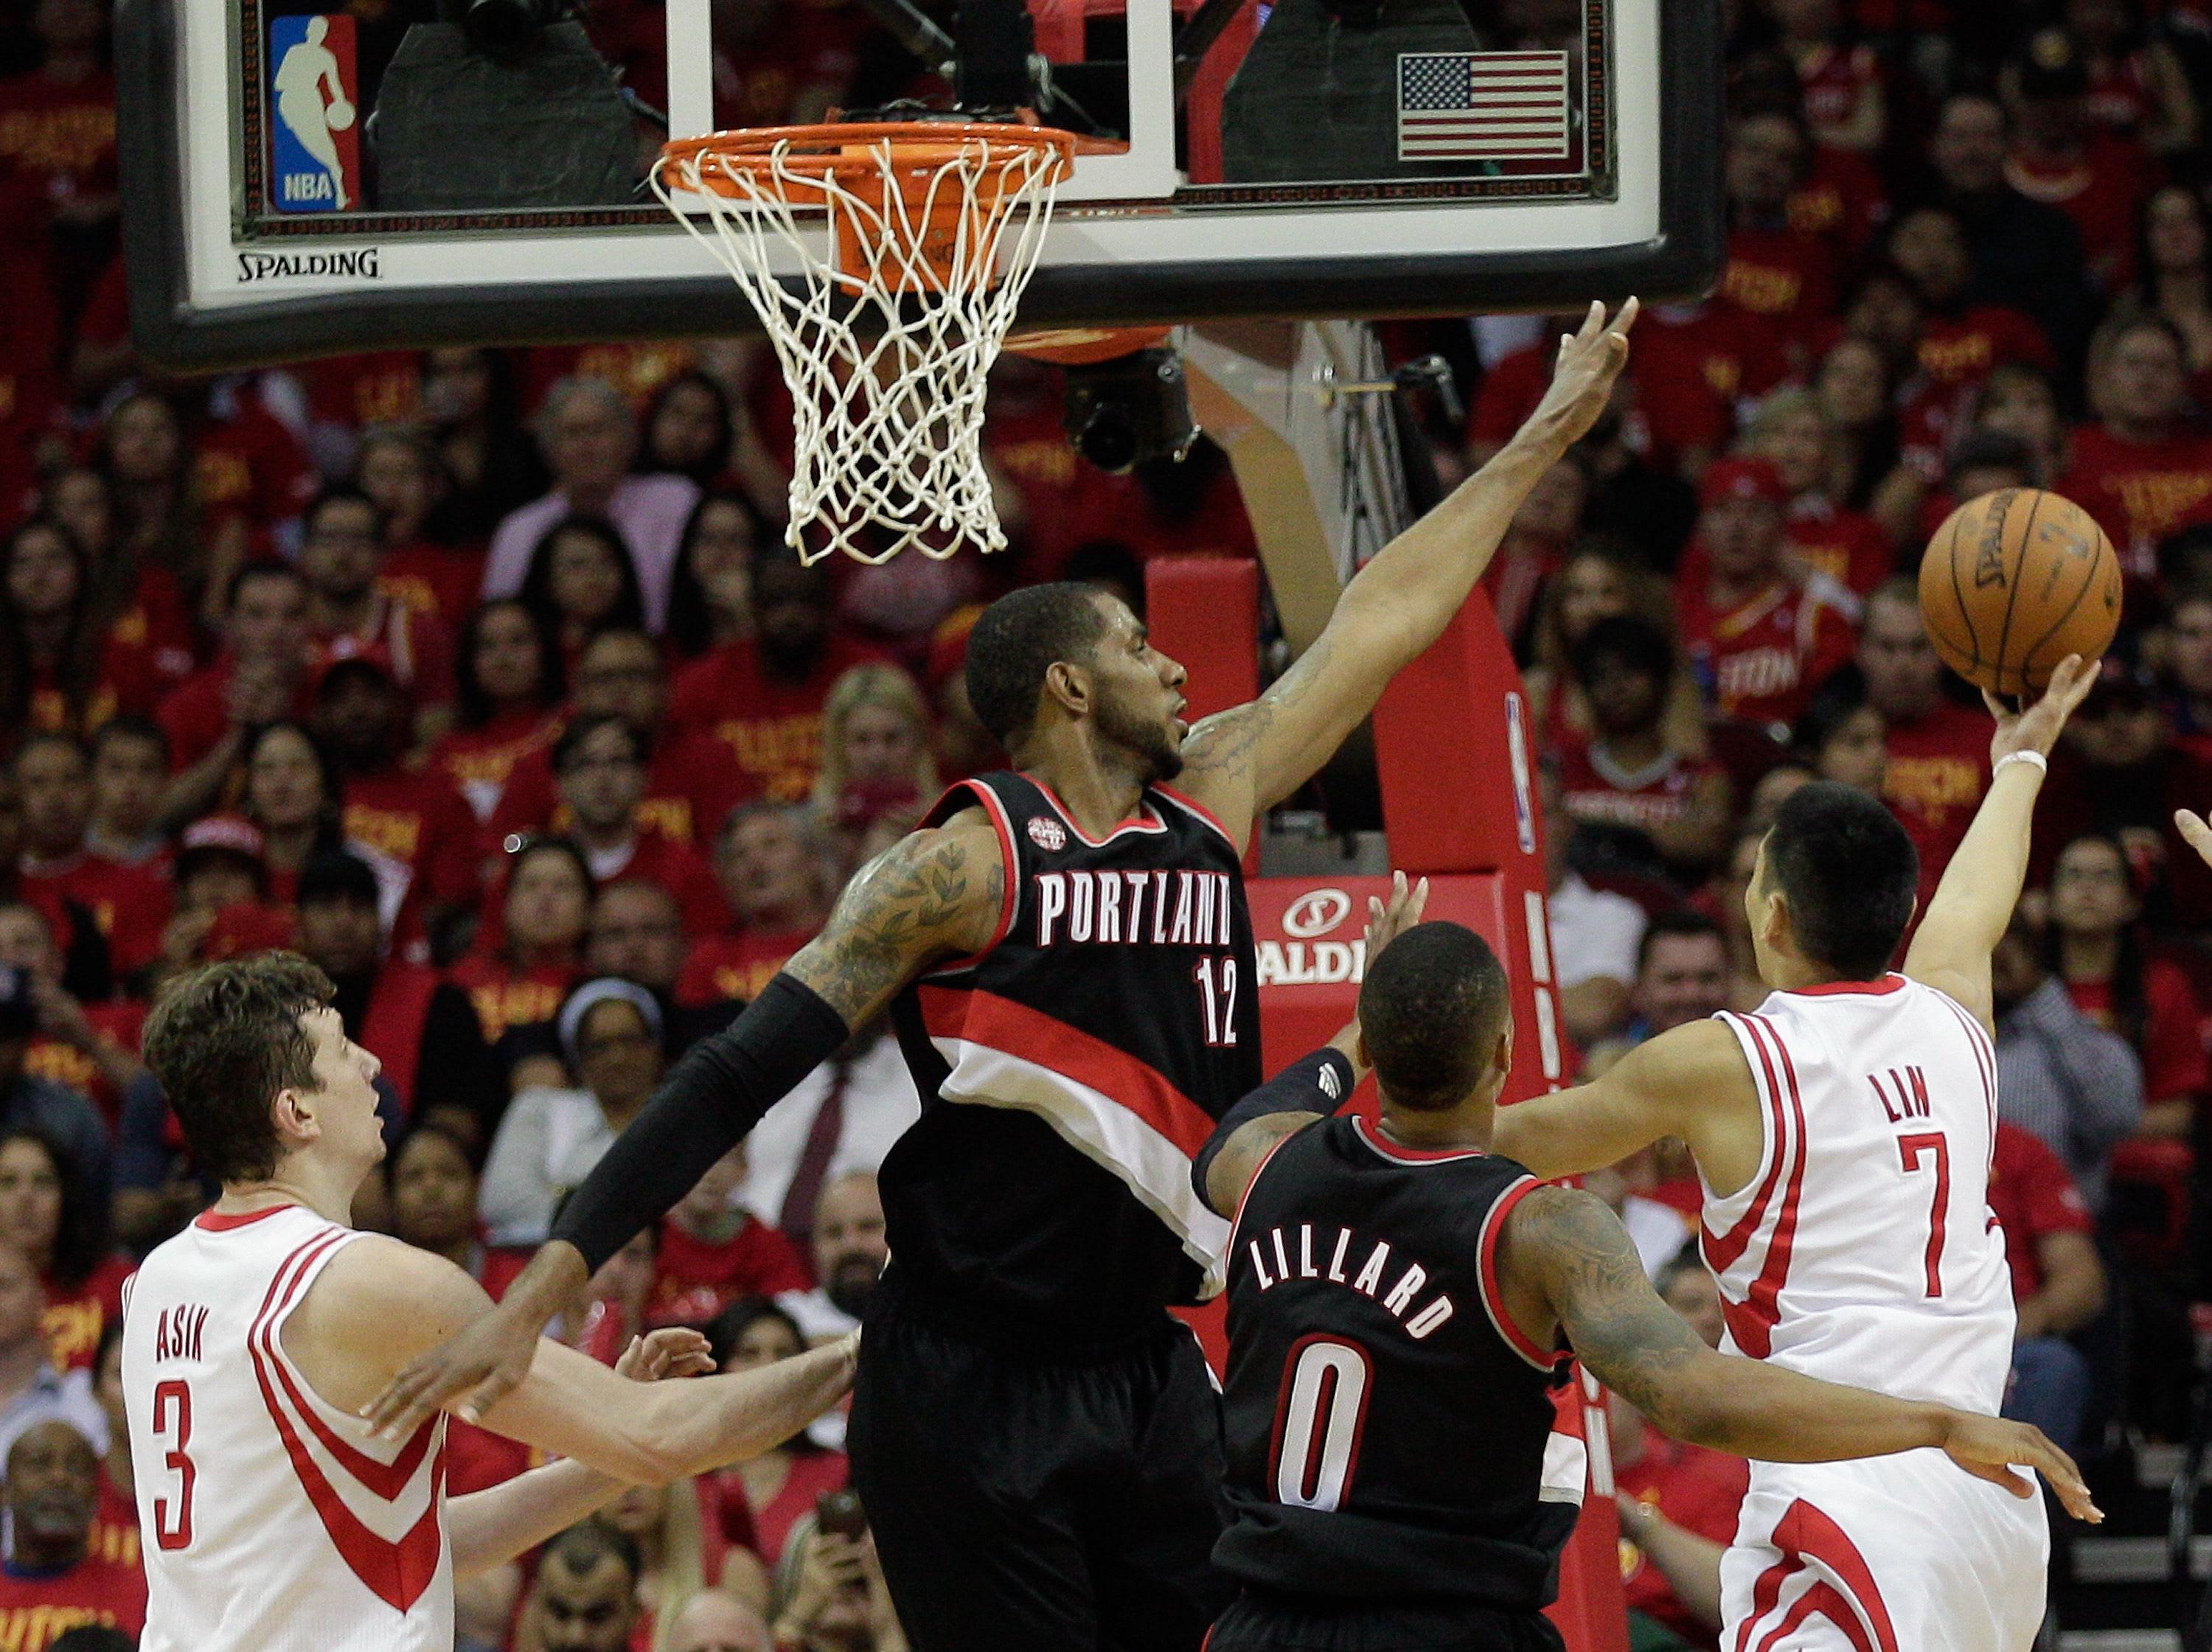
x=1482 y=106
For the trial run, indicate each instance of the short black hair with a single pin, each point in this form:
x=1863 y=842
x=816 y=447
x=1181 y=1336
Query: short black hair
x=1681 y=921
x=1431 y=1010
x=583 y=1545
x=223 y=1039
x=1637 y=644
x=267 y=568
x=1848 y=873
x=336 y=874
x=1019 y=638
x=573 y=738
x=129 y=726
x=342 y=492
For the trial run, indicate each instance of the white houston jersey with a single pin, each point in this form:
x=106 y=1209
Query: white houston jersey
x=271 y=1519
x=1863 y=1250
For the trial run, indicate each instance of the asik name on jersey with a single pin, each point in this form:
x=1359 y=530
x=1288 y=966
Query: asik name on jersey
x=1397 y=1299
x=1159 y=908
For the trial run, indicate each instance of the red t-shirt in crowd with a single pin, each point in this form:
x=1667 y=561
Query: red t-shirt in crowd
x=129 y=905
x=1842 y=200
x=36 y=1608
x=812 y=1472
x=117 y=1022
x=1783 y=275
x=1595 y=792
x=690 y=787
x=677 y=867
x=1671 y=406
x=1938 y=769
x=771 y=728
x=478 y=762
x=504 y=996
x=2032 y=1194
x=1696 y=1488
x=2140 y=492
x=197 y=715
x=420 y=821
x=114 y=1525
x=1848 y=546
x=1763 y=659
x=416 y=645
x=378 y=387
x=248 y=464
x=2101 y=188
x=441 y=582
x=735 y=966
x=1738 y=354
x=75 y=1318
x=2172 y=1045
x=694 y=1281
x=1960 y=350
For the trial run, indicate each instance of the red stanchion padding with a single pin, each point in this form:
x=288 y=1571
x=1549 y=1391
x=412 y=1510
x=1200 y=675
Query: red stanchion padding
x=1591 y=1615
x=1205 y=611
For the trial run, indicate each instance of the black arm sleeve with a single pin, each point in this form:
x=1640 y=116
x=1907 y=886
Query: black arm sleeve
x=703 y=1109
x=1316 y=1084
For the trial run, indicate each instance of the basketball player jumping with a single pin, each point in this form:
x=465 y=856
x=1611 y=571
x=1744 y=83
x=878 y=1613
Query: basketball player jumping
x=272 y=1516
x=1066 y=951
x=1397 y=1299
x=1843 y=1134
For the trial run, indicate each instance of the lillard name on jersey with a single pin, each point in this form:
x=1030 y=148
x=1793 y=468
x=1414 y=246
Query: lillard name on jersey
x=1389 y=1430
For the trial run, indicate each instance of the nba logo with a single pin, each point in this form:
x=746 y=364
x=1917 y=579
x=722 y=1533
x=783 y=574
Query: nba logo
x=314 y=88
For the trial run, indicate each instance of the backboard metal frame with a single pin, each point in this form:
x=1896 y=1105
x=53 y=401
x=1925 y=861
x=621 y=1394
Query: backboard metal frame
x=192 y=252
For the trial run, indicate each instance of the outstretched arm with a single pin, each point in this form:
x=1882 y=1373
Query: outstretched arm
x=380 y=1303
x=1564 y=1260
x=1248 y=759
x=1966 y=916
x=933 y=894
x=1691 y=1081
x=488 y=1528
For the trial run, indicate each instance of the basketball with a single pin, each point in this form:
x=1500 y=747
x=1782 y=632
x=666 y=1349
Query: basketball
x=339 y=114
x=2014 y=581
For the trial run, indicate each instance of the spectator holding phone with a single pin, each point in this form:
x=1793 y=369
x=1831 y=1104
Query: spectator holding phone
x=830 y=1591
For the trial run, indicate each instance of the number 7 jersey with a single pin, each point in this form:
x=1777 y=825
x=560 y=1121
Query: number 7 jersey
x=1862 y=1250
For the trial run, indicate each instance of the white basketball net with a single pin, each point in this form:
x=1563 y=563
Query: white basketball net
x=887 y=357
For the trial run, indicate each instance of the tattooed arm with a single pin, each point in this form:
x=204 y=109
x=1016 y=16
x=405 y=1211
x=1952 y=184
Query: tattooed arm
x=935 y=894
x=1248 y=759
x=1566 y=1269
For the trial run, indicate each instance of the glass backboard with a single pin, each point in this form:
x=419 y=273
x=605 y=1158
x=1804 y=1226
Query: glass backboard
x=305 y=176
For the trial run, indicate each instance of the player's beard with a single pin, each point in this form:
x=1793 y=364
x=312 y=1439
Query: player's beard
x=1152 y=744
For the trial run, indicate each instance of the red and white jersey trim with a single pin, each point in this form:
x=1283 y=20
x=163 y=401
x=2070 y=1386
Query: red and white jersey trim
x=1112 y=1107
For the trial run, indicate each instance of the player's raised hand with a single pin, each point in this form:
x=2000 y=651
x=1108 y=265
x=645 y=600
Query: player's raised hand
x=1988 y=1447
x=679 y=1351
x=1590 y=359
x=2036 y=727
x=1388 y=918
x=2196 y=832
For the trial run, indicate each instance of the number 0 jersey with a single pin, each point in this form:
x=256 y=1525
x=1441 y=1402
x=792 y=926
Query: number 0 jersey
x=1070 y=1072
x=1863 y=1250
x=271 y=1519
x=1389 y=1430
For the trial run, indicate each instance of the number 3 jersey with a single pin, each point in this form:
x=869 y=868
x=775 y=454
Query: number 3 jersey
x=270 y=1520
x=1070 y=1072
x=1389 y=1430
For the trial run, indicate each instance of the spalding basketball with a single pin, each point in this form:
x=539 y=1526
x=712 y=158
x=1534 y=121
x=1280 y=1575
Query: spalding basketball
x=2014 y=581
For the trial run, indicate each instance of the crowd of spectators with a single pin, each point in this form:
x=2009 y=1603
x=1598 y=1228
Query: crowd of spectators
x=484 y=678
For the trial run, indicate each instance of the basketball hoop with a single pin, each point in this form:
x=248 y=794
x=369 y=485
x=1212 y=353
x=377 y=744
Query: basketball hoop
x=889 y=331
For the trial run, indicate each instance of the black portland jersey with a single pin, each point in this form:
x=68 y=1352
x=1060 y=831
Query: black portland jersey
x=1069 y=1072
x=1387 y=1426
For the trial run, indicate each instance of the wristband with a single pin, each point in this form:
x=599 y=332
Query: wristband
x=2041 y=763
